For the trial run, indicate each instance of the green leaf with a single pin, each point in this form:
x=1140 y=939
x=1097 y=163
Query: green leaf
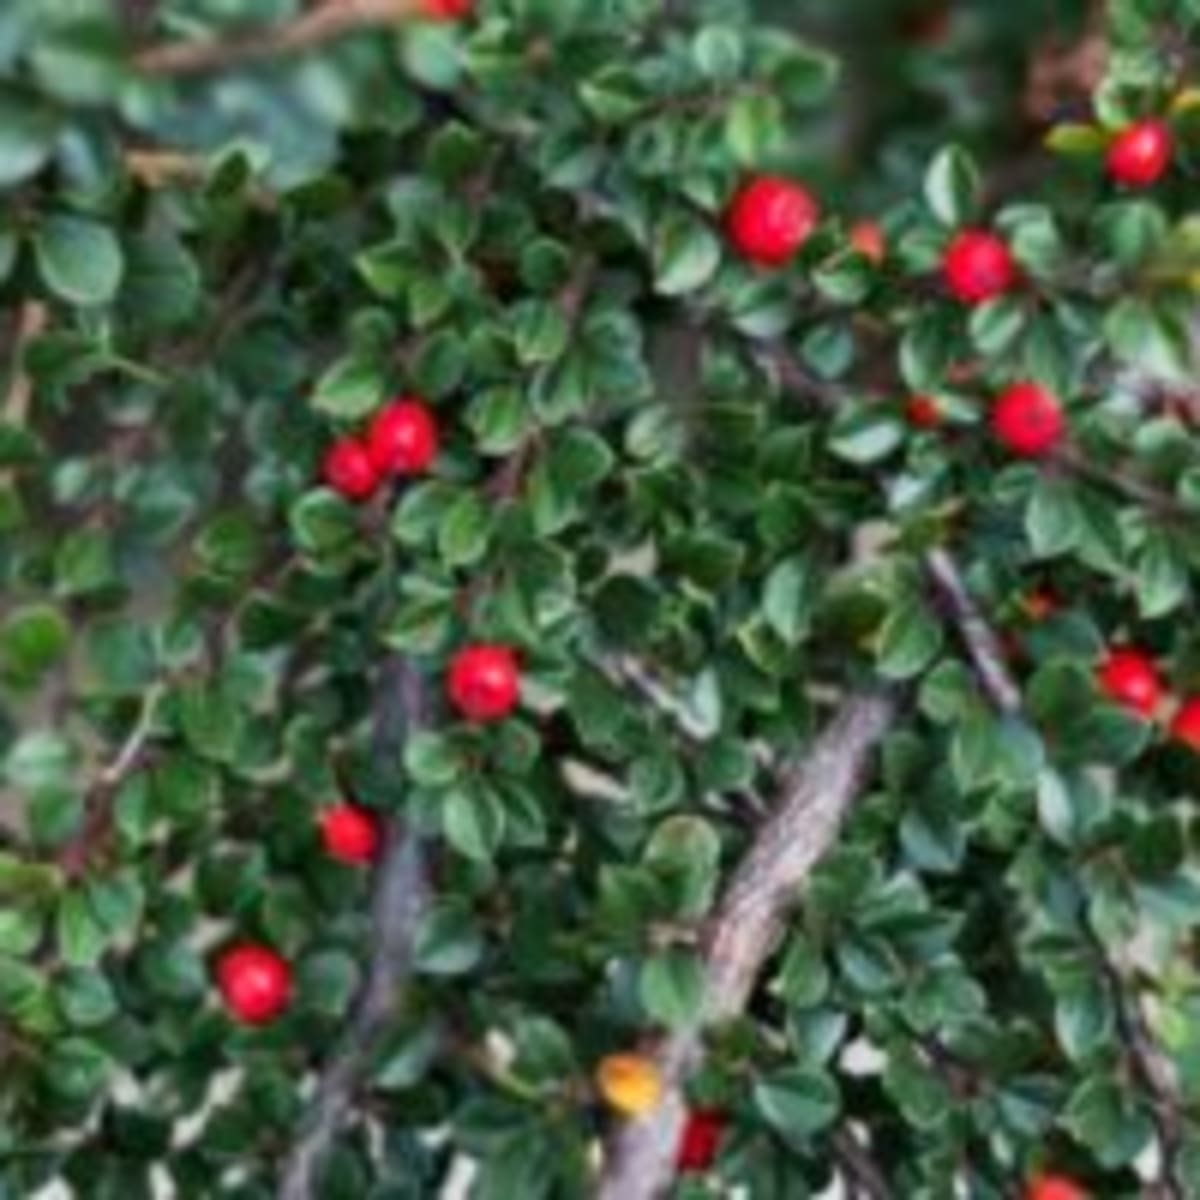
x=952 y=186
x=671 y=986
x=798 y=1102
x=32 y=640
x=79 y=259
x=790 y=597
x=473 y=821
x=909 y=641
x=350 y=388
x=28 y=129
x=686 y=255
x=448 y=941
x=1054 y=521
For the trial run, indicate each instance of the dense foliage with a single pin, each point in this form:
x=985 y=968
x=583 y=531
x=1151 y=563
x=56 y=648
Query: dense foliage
x=450 y=718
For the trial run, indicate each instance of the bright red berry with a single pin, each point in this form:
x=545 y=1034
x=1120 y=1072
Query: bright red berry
x=255 y=982
x=1185 y=727
x=1054 y=1187
x=923 y=412
x=484 y=682
x=1140 y=154
x=402 y=439
x=1028 y=420
x=350 y=834
x=867 y=238
x=700 y=1141
x=446 y=10
x=770 y=219
x=348 y=469
x=1130 y=678
x=978 y=265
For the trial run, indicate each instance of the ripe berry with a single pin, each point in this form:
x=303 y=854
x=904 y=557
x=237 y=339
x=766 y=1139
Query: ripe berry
x=402 y=439
x=1028 y=420
x=922 y=412
x=350 y=834
x=1185 y=727
x=1054 y=1187
x=446 y=10
x=255 y=983
x=700 y=1141
x=630 y=1083
x=485 y=682
x=978 y=265
x=348 y=469
x=867 y=238
x=770 y=219
x=1140 y=154
x=1130 y=678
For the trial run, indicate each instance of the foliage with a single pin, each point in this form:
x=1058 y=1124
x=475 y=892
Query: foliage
x=687 y=493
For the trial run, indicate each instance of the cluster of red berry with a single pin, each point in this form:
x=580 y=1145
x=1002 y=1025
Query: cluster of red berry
x=1130 y=678
x=484 y=686
x=770 y=219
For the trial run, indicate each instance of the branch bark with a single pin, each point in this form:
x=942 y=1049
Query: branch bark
x=328 y=22
x=400 y=898
x=979 y=638
x=816 y=795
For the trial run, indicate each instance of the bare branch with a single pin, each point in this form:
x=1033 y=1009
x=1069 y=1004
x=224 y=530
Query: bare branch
x=815 y=798
x=979 y=638
x=326 y=23
x=857 y=1164
x=400 y=898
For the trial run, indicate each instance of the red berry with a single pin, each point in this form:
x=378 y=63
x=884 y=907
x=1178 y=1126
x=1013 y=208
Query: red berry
x=350 y=834
x=1185 y=727
x=348 y=469
x=403 y=439
x=770 y=219
x=978 y=265
x=1140 y=154
x=700 y=1141
x=867 y=238
x=1130 y=678
x=1054 y=1187
x=255 y=983
x=485 y=682
x=446 y=10
x=1028 y=420
x=923 y=412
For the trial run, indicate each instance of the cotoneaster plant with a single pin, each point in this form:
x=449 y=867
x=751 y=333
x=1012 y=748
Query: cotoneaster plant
x=596 y=605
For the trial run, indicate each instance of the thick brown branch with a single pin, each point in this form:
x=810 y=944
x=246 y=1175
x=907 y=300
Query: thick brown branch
x=978 y=637
x=328 y=22
x=400 y=898
x=816 y=796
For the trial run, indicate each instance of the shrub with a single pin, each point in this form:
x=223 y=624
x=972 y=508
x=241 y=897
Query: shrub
x=592 y=607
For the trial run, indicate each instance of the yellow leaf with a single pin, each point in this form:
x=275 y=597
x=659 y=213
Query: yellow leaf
x=630 y=1083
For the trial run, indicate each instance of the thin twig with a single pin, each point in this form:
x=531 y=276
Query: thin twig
x=979 y=638
x=399 y=901
x=32 y=319
x=856 y=1163
x=1125 y=484
x=328 y=22
x=1152 y=1072
x=1145 y=1059
x=79 y=851
x=815 y=798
